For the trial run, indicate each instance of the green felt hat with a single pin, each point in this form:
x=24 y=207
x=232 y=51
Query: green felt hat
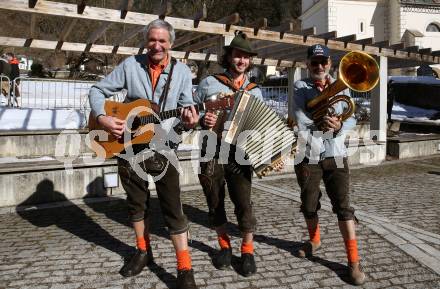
x=241 y=42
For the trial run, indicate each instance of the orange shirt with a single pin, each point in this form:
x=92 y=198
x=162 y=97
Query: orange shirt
x=238 y=83
x=155 y=70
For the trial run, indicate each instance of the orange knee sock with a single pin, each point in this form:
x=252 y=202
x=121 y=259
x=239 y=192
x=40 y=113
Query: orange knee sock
x=224 y=241
x=315 y=235
x=143 y=243
x=352 y=250
x=183 y=260
x=247 y=248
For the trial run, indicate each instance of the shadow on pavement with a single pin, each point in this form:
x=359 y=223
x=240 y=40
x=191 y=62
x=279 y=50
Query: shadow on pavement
x=70 y=218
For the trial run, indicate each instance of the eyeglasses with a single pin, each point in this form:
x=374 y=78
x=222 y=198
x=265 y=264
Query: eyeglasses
x=323 y=62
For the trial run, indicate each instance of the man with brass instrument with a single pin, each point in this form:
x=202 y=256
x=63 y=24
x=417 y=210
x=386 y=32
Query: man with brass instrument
x=213 y=174
x=325 y=157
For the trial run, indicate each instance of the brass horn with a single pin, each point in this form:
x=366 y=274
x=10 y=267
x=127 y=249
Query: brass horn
x=357 y=71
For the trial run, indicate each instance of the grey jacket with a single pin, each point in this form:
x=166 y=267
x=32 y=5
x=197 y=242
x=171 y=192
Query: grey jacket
x=132 y=74
x=323 y=147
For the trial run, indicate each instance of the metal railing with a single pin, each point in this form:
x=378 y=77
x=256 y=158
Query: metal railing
x=52 y=93
x=45 y=93
x=276 y=98
x=5 y=90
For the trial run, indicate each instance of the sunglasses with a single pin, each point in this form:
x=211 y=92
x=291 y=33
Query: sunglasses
x=323 y=62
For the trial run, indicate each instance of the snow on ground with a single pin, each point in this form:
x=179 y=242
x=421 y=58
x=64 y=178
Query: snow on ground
x=40 y=119
x=414 y=114
x=50 y=104
x=8 y=160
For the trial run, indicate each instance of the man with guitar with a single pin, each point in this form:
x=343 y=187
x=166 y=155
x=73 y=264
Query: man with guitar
x=213 y=175
x=166 y=83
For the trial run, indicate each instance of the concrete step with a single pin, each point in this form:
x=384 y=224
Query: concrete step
x=410 y=145
x=415 y=127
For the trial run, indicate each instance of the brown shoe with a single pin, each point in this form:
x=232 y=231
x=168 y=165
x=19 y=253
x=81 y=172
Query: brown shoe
x=308 y=249
x=356 y=274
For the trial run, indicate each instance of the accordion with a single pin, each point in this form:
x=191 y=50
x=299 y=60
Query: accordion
x=257 y=130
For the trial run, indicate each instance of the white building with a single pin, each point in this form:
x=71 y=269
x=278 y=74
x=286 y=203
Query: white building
x=413 y=22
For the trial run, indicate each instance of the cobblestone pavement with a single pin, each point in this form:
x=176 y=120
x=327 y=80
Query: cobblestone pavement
x=83 y=245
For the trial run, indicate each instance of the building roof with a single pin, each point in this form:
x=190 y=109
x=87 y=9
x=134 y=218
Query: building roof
x=421 y=2
x=415 y=32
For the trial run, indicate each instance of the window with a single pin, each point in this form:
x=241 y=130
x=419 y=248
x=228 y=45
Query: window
x=362 y=27
x=433 y=27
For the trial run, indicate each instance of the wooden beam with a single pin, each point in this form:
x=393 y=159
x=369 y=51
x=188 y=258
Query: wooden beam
x=232 y=19
x=165 y=9
x=308 y=31
x=271 y=52
x=81 y=5
x=79 y=47
x=67 y=29
x=327 y=35
x=202 y=44
x=112 y=15
x=128 y=35
x=126 y=5
x=435 y=53
x=410 y=49
x=347 y=38
x=396 y=46
x=32 y=3
x=28 y=42
x=261 y=23
x=65 y=33
x=380 y=44
x=99 y=32
x=187 y=38
x=364 y=41
x=425 y=51
x=286 y=27
x=228 y=20
x=33 y=26
x=299 y=54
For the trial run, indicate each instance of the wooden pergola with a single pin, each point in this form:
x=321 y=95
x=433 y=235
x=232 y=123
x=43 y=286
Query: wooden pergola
x=276 y=46
x=201 y=40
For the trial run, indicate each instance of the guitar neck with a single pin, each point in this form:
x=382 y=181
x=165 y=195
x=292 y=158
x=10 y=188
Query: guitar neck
x=158 y=117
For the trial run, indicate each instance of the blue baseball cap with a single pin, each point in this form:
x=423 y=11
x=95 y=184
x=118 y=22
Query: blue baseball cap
x=318 y=50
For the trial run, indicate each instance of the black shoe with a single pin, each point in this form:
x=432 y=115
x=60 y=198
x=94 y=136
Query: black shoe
x=139 y=260
x=223 y=259
x=247 y=266
x=185 y=279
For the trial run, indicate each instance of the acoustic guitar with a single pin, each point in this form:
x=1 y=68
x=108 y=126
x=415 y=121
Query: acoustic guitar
x=140 y=115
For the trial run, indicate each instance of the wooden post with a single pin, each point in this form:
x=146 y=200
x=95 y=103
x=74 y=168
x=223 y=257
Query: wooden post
x=293 y=74
x=223 y=41
x=378 y=106
x=32 y=3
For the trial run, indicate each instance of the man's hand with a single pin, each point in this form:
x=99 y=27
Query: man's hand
x=332 y=123
x=190 y=117
x=113 y=125
x=210 y=119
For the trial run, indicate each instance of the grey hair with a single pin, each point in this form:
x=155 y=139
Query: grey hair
x=159 y=23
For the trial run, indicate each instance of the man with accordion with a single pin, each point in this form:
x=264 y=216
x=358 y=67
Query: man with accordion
x=214 y=173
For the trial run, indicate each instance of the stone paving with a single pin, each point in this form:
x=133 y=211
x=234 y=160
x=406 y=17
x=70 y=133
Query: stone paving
x=84 y=245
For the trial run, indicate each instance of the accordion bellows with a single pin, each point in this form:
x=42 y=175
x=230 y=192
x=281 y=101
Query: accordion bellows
x=257 y=130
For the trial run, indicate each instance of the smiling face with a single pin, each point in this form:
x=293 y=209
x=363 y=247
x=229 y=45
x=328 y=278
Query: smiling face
x=158 y=44
x=240 y=61
x=319 y=67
